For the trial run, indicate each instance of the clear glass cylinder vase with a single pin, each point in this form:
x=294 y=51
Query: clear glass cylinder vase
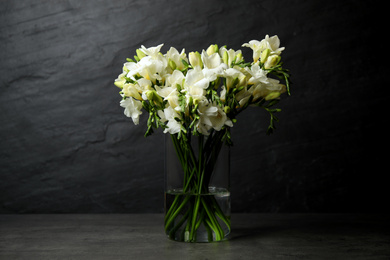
x=197 y=188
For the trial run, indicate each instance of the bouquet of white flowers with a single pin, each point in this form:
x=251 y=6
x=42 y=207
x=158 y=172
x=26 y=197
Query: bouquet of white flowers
x=201 y=94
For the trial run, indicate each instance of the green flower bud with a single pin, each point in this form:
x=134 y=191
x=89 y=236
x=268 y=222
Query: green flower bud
x=119 y=83
x=272 y=61
x=152 y=95
x=190 y=101
x=226 y=109
x=195 y=109
x=125 y=69
x=225 y=58
x=238 y=57
x=272 y=95
x=213 y=48
x=196 y=101
x=149 y=95
x=140 y=54
x=172 y=64
x=264 y=55
x=195 y=59
x=121 y=80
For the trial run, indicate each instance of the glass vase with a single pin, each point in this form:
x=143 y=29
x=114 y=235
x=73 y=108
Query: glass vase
x=197 y=188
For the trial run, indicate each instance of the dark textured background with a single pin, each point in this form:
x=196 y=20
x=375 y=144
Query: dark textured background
x=67 y=147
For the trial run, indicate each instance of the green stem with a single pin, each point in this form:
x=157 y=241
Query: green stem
x=177 y=211
x=194 y=216
x=214 y=225
x=171 y=208
x=209 y=232
x=178 y=225
x=197 y=174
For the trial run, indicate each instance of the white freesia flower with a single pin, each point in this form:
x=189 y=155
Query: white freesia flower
x=258 y=75
x=211 y=61
x=131 y=90
x=243 y=96
x=144 y=85
x=132 y=109
x=228 y=56
x=176 y=78
x=173 y=126
x=264 y=89
x=272 y=43
x=211 y=116
x=170 y=94
x=164 y=91
x=151 y=67
x=152 y=51
x=131 y=68
x=196 y=78
x=257 y=48
x=138 y=89
x=213 y=74
x=213 y=66
x=148 y=68
x=233 y=74
x=174 y=56
x=195 y=92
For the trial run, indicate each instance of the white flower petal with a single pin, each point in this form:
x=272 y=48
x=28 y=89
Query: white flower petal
x=212 y=61
x=132 y=109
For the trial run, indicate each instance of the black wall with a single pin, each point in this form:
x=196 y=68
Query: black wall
x=67 y=147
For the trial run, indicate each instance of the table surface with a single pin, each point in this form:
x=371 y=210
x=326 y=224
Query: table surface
x=141 y=236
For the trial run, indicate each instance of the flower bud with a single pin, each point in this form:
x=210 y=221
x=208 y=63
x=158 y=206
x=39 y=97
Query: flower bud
x=172 y=64
x=226 y=109
x=238 y=57
x=272 y=61
x=195 y=108
x=140 y=54
x=264 y=55
x=125 y=69
x=152 y=95
x=272 y=95
x=196 y=101
x=213 y=48
x=129 y=90
x=119 y=83
x=195 y=59
x=225 y=58
x=149 y=95
x=190 y=101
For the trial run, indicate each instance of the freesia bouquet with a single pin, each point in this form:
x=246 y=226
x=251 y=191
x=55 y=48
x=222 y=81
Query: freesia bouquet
x=201 y=94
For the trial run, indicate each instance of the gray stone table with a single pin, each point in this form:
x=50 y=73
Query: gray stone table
x=141 y=236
